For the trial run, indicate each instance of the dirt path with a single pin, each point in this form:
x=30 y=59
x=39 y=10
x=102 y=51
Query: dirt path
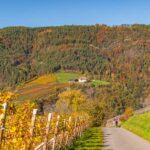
x=121 y=139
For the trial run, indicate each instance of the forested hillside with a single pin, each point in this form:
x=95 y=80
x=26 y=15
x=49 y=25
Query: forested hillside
x=119 y=54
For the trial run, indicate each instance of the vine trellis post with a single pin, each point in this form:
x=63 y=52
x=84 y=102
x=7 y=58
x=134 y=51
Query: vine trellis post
x=32 y=127
x=47 y=130
x=3 y=120
x=56 y=131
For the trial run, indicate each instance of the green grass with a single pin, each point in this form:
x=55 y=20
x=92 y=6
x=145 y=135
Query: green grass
x=97 y=83
x=64 y=77
x=92 y=139
x=139 y=124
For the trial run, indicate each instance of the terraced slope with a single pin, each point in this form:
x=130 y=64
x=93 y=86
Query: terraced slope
x=44 y=86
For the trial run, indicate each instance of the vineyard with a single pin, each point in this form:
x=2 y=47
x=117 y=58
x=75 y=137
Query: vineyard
x=23 y=127
x=39 y=91
x=43 y=86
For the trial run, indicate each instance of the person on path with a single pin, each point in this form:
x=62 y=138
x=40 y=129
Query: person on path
x=115 y=122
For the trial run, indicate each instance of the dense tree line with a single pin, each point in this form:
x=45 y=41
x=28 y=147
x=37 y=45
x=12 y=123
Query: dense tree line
x=119 y=54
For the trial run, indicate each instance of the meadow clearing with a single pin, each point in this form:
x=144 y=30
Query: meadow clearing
x=98 y=83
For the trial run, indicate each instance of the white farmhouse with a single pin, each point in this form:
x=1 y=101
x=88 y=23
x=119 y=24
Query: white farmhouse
x=82 y=80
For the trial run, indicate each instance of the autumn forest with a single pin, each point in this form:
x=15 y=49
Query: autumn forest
x=119 y=55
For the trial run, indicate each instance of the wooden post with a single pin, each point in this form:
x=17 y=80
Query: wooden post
x=69 y=123
x=3 y=124
x=63 y=134
x=56 y=131
x=32 y=127
x=47 y=130
x=75 y=128
x=80 y=126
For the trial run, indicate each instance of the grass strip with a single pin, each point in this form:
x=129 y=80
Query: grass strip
x=91 y=139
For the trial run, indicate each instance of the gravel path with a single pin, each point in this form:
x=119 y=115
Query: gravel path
x=121 y=139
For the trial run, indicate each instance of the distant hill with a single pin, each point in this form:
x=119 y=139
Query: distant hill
x=118 y=54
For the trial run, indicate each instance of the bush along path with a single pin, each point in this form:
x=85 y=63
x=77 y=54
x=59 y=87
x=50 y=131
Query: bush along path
x=91 y=139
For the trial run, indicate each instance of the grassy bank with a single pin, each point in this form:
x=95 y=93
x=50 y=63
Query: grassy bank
x=140 y=125
x=91 y=139
x=97 y=83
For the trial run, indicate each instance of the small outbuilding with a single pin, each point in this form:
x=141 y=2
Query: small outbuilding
x=82 y=80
